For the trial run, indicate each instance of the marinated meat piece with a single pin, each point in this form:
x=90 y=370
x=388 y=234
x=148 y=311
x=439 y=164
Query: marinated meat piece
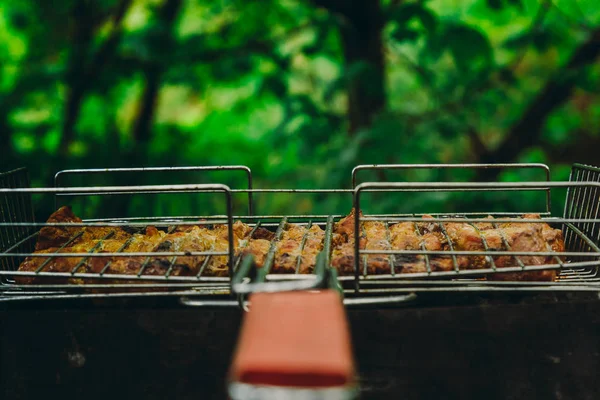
x=196 y=240
x=526 y=237
x=345 y=226
x=554 y=237
x=484 y=226
x=377 y=238
x=342 y=258
x=404 y=237
x=218 y=265
x=240 y=230
x=56 y=236
x=258 y=245
x=291 y=250
x=434 y=239
x=288 y=249
x=259 y=248
x=262 y=233
x=286 y=256
x=467 y=237
x=312 y=247
x=337 y=240
x=294 y=232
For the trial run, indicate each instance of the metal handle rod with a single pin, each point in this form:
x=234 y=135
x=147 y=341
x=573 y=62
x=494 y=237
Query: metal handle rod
x=123 y=189
x=366 y=301
x=449 y=166
x=351 y=303
x=191 y=302
x=404 y=186
x=243 y=168
x=392 y=219
x=543 y=167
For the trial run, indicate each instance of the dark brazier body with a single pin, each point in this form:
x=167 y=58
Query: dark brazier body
x=446 y=348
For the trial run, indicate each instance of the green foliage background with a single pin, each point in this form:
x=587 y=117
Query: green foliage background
x=268 y=84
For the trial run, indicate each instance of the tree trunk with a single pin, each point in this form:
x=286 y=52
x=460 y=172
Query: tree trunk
x=82 y=36
x=362 y=44
x=364 y=61
x=81 y=74
x=153 y=74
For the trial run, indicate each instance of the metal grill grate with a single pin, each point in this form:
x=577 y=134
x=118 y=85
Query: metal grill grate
x=158 y=269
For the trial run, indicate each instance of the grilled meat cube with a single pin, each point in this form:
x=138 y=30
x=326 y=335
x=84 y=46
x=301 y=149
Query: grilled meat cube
x=467 y=237
x=286 y=256
x=528 y=237
x=291 y=249
x=312 y=247
x=484 y=226
x=288 y=249
x=434 y=239
x=262 y=233
x=196 y=240
x=376 y=234
x=257 y=245
x=342 y=254
x=240 y=231
x=56 y=236
x=294 y=232
x=218 y=265
x=404 y=237
x=345 y=226
x=342 y=257
x=553 y=237
x=258 y=248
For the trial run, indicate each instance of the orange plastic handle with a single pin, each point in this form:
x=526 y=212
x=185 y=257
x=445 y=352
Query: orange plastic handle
x=298 y=339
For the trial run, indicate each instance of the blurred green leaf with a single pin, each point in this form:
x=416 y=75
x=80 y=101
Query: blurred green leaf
x=498 y=5
x=275 y=84
x=407 y=12
x=470 y=48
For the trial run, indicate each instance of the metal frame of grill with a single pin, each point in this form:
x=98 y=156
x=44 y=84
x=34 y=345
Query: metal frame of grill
x=580 y=225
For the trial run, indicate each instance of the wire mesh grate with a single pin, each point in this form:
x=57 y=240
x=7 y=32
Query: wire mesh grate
x=267 y=236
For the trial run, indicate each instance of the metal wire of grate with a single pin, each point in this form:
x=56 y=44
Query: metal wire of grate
x=14 y=208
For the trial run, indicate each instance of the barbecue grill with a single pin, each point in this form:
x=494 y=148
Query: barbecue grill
x=577 y=267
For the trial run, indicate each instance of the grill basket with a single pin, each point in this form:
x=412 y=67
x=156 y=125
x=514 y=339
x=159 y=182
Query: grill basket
x=577 y=267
